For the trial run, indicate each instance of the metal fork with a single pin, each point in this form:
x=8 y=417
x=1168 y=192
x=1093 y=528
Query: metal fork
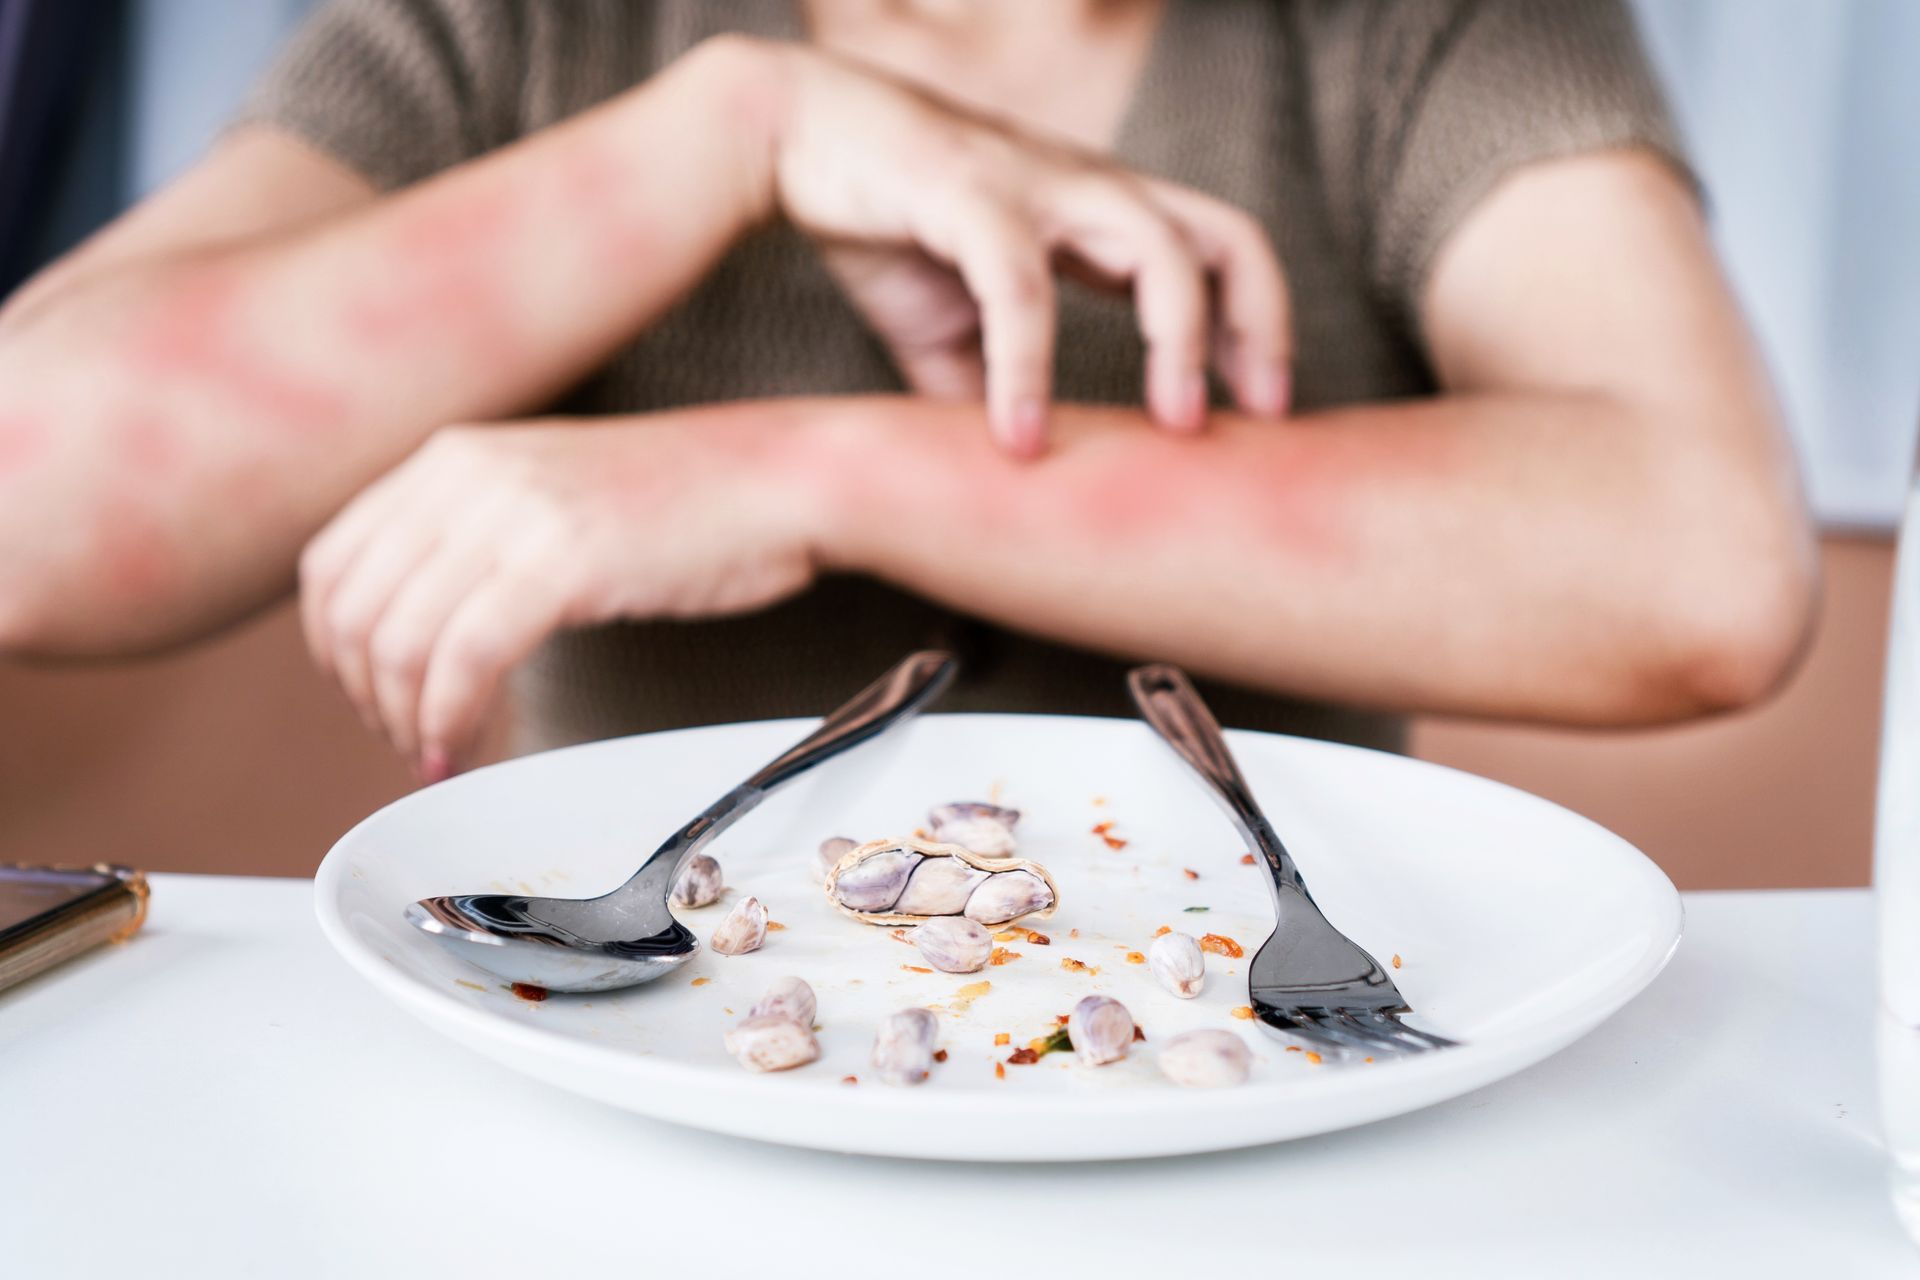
x=1308 y=979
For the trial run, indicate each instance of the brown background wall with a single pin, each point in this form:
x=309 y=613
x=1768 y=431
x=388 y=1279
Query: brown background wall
x=236 y=757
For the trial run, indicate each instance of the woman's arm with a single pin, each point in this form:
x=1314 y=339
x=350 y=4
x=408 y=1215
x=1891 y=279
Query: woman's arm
x=180 y=409
x=185 y=401
x=1599 y=524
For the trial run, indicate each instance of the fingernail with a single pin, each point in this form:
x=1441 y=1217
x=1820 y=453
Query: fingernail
x=1268 y=386
x=435 y=766
x=1193 y=401
x=1029 y=427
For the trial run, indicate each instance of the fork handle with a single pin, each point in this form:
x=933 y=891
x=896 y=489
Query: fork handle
x=1170 y=704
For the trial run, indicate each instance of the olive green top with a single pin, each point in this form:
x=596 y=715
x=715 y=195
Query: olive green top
x=1358 y=131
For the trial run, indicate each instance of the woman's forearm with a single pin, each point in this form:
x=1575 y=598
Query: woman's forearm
x=171 y=431
x=1529 y=556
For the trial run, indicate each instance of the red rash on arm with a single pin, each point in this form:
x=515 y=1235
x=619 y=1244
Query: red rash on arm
x=24 y=442
x=443 y=281
x=303 y=353
x=195 y=334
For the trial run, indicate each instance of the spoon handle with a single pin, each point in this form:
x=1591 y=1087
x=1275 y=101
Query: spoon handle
x=910 y=685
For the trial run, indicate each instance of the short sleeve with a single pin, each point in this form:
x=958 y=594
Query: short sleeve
x=1425 y=106
x=398 y=89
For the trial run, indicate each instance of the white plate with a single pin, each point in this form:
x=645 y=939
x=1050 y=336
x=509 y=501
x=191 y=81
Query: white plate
x=1519 y=926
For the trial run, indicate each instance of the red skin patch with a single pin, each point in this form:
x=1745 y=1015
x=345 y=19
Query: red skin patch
x=593 y=181
x=446 y=280
x=132 y=551
x=197 y=338
x=23 y=443
x=150 y=444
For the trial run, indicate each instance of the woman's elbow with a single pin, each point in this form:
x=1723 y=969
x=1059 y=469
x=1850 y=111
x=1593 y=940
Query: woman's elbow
x=1746 y=623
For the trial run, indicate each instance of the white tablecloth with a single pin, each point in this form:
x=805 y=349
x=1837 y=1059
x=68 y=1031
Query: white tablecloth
x=224 y=1097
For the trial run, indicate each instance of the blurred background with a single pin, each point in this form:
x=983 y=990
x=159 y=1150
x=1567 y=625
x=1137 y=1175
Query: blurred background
x=235 y=757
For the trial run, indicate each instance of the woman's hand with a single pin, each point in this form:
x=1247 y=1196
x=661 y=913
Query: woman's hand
x=946 y=228
x=428 y=588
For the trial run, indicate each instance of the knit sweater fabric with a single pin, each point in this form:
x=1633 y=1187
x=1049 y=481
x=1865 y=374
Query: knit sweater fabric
x=1359 y=132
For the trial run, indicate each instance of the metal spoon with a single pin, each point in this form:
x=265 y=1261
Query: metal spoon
x=628 y=936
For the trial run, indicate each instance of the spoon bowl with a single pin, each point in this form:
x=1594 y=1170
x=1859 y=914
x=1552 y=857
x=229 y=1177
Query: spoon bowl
x=628 y=936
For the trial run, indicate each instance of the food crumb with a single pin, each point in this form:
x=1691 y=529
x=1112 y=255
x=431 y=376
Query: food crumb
x=1003 y=1037
x=922 y=833
x=1163 y=931
x=1189 y=873
x=1099 y=802
x=1038 y=939
x=1313 y=1057
x=774 y=926
x=1008 y=935
x=1139 y=1036
x=939 y=1055
x=1000 y=955
x=1074 y=966
x=1115 y=843
x=1221 y=945
x=999 y=1071
x=849 y=1079
x=914 y=968
x=1242 y=1012
x=1367 y=1059
x=1073 y=933
x=900 y=935
x=1246 y=859
x=1293 y=1048
x=1192 y=910
x=1023 y=1058
x=1134 y=957
x=1101 y=828
x=700 y=982
x=1396 y=959
x=463 y=982
x=528 y=991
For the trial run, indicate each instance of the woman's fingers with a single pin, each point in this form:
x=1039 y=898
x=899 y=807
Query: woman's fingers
x=326 y=559
x=403 y=639
x=494 y=627
x=1255 y=342
x=359 y=604
x=1003 y=261
x=1109 y=222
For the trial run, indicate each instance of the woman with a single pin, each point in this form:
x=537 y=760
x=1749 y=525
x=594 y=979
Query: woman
x=1497 y=443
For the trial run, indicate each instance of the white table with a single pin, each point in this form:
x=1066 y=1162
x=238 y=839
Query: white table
x=223 y=1097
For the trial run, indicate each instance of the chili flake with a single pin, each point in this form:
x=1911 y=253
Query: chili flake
x=701 y=982
x=1074 y=966
x=914 y=968
x=999 y=1071
x=1396 y=959
x=1313 y=1057
x=1001 y=1038
x=1221 y=945
x=939 y=1055
x=1246 y=859
x=528 y=991
x=1242 y=1012
x=1000 y=955
x=1023 y=1058
x=1189 y=873
x=1163 y=931
x=1134 y=957
x=849 y=1079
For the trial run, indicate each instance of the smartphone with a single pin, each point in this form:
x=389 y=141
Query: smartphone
x=50 y=914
